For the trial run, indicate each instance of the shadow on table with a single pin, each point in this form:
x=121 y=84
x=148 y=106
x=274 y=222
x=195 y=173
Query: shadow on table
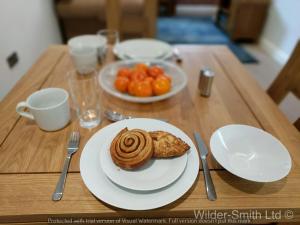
x=251 y=187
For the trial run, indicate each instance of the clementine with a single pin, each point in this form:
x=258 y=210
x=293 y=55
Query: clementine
x=141 y=67
x=138 y=75
x=143 y=89
x=124 y=72
x=121 y=84
x=155 y=71
x=132 y=87
x=161 y=86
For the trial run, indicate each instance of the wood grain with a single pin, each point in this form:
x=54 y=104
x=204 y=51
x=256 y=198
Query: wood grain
x=128 y=24
x=31 y=158
x=297 y=124
x=39 y=151
x=245 y=18
x=28 y=197
x=113 y=10
x=150 y=10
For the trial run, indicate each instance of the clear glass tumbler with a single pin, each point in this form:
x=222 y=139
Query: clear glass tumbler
x=85 y=96
x=112 y=38
x=84 y=58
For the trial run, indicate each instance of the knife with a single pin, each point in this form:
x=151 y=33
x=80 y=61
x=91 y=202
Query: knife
x=203 y=152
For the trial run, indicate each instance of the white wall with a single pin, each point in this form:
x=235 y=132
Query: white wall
x=27 y=27
x=280 y=35
x=282 y=29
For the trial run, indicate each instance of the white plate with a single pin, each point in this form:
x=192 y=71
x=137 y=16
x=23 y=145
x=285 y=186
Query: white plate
x=107 y=78
x=144 y=48
x=104 y=189
x=250 y=153
x=155 y=174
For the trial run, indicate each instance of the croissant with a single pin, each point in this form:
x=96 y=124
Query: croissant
x=131 y=149
x=167 y=145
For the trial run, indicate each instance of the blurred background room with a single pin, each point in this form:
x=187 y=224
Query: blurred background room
x=261 y=33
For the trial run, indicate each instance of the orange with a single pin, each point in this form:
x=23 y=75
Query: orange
x=141 y=67
x=132 y=87
x=143 y=89
x=124 y=72
x=138 y=75
x=155 y=71
x=161 y=86
x=149 y=79
x=165 y=76
x=121 y=84
x=143 y=81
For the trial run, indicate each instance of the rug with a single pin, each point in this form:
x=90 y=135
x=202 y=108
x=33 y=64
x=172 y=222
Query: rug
x=198 y=30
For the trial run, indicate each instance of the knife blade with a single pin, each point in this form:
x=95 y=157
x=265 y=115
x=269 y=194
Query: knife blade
x=203 y=152
x=201 y=146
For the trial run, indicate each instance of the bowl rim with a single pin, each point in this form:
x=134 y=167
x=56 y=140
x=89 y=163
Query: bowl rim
x=116 y=48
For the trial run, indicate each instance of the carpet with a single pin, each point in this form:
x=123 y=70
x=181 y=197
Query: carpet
x=198 y=30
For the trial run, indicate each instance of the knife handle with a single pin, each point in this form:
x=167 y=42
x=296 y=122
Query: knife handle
x=210 y=188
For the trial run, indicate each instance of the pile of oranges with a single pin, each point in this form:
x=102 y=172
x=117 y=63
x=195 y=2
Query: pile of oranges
x=143 y=81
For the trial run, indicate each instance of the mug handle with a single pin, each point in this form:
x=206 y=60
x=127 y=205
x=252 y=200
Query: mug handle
x=20 y=109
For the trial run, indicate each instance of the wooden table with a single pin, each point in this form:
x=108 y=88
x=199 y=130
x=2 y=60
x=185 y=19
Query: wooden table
x=31 y=159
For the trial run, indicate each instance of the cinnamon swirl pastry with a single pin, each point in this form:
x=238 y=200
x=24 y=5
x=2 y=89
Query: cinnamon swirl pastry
x=131 y=149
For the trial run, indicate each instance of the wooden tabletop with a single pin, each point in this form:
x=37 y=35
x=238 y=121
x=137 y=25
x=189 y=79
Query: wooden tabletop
x=31 y=159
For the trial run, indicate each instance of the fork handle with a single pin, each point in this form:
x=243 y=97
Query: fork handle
x=58 y=193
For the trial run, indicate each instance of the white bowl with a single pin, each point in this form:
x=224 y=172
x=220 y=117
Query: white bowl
x=107 y=77
x=250 y=153
x=90 y=41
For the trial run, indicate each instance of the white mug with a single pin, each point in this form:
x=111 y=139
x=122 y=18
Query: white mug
x=48 y=107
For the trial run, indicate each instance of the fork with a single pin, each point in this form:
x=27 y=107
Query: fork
x=72 y=148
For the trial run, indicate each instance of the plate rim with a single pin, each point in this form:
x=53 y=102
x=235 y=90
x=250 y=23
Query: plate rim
x=183 y=186
x=143 y=189
x=245 y=177
x=129 y=98
x=124 y=57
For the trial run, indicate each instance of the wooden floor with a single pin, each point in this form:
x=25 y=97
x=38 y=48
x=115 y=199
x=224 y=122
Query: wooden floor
x=265 y=72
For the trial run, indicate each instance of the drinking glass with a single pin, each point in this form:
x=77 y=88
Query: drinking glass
x=85 y=96
x=84 y=58
x=112 y=38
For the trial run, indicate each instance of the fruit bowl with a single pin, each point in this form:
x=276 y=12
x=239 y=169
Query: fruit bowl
x=107 y=77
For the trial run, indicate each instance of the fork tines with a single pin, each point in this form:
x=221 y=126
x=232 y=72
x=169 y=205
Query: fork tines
x=74 y=139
